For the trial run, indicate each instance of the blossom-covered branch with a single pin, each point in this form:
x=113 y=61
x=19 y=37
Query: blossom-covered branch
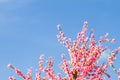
x=84 y=53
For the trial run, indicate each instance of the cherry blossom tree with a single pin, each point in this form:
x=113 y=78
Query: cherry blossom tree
x=84 y=54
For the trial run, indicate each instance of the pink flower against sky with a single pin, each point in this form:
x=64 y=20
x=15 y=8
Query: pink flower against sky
x=84 y=54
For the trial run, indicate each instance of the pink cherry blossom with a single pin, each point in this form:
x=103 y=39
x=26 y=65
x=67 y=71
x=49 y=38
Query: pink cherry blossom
x=84 y=56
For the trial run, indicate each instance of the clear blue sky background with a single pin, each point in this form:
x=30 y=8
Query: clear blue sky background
x=28 y=29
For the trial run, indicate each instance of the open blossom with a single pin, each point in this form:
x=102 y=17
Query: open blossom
x=10 y=66
x=58 y=27
x=63 y=55
x=12 y=78
x=85 y=23
x=84 y=56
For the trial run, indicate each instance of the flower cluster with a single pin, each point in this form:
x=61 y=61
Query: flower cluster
x=27 y=77
x=84 y=53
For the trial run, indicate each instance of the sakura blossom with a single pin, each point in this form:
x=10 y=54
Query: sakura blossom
x=84 y=53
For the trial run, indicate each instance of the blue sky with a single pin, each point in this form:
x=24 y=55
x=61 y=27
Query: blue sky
x=28 y=29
